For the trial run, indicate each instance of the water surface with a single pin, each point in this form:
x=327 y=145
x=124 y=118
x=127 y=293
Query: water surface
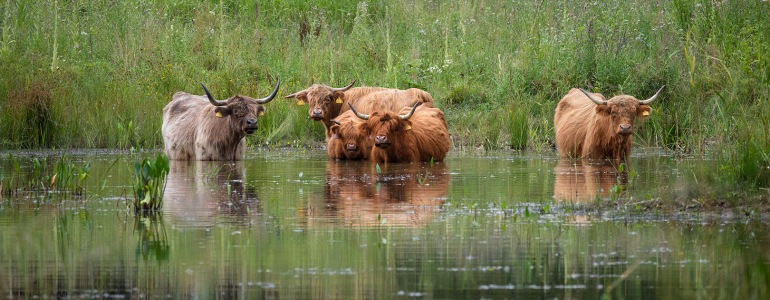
x=292 y=224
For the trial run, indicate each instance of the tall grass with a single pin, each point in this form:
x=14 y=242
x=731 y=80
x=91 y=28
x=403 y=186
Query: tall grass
x=101 y=72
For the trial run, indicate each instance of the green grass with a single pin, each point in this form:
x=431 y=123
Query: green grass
x=101 y=72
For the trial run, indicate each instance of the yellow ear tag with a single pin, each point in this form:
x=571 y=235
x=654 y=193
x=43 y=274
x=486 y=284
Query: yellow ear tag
x=300 y=102
x=219 y=114
x=645 y=113
x=408 y=127
x=260 y=113
x=339 y=100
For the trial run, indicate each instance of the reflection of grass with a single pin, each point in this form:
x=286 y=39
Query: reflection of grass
x=63 y=175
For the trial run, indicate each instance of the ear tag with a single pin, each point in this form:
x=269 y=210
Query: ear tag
x=645 y=113
x=301 y=102
x=339 y=100
x=219 y=114
x=260 y=113
x=408 y=127
x=336 y=136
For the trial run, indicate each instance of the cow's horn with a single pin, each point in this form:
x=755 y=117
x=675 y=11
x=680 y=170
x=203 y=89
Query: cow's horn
x=593 y=98
x=345 y=88
x=359 y=115
x=213 y=101
x=411 y=112
x=268 y=98
x=648 y=101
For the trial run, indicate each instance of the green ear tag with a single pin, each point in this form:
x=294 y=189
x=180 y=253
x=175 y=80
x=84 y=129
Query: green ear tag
x=339 y=100
x=219 y=114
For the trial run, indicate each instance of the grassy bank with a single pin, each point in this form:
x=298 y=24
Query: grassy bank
x=98 y=73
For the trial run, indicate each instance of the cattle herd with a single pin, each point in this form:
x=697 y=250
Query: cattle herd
x=386 y=125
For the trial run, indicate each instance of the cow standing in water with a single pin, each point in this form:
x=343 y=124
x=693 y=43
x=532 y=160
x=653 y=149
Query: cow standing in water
x=415 y=134
x=203 y=128
x=327 y=103
x=589 y=126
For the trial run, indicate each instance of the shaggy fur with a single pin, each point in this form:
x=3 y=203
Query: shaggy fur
x=587 y=130
x=422 y=137
x=324 y=105
x=346 y=142
x=192 y=131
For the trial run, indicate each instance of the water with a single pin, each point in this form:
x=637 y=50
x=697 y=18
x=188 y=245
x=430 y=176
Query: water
x=292 y=224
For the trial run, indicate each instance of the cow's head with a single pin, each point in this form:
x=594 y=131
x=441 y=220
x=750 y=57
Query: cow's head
x=323 y=100
x=385 y=127
x=354 y=143
x=242 y=111
x=622 y=110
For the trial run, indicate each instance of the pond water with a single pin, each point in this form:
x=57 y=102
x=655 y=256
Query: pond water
x=292 y=224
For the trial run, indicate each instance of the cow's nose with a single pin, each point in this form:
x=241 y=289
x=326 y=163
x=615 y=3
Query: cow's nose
x=625 y=128
x=352 y=147
x=380 y=139
x=317 y=113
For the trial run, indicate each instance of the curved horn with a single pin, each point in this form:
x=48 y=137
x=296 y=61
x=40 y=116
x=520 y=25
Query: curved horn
x=648 y=101
x=213 y=101
x=268 y=98
x=359 y=115
x=411 y=112
x=593 y=98
x=345 y=88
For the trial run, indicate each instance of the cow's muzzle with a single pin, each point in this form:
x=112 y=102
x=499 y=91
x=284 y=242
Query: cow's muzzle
x=351 y=147
x=317 y=115
x=625 y=129
x=382 y=141
x=251 y=126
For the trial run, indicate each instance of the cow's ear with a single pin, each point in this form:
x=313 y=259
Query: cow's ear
x=301 y=98
x=643 y=111
x=335 y=129
x=222 y=111
x=603 y=110
x=261 y=110
x=339 y=97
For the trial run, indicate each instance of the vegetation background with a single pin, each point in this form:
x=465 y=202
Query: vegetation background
x=97 y=74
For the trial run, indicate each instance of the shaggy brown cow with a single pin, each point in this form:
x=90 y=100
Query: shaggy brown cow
x=326 y=103
x=203 y=128
x=589 y=126
x=346 y=142
x=414 y=134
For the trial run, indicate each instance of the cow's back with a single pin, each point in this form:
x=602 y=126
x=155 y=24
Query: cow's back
x=572 y=121
x=392 y=100
x=431 y=133
x=180 y=117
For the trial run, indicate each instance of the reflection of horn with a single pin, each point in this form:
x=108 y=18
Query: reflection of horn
x=411 y=112
x=648 y=101
x=213 y=101
x=593 y=98
x=268 y=98
x=359 y=115
x=345 y=88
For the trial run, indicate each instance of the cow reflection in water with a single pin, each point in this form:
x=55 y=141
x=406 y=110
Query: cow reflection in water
x=586 y=180
x=356 y=194
x=202 y=193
